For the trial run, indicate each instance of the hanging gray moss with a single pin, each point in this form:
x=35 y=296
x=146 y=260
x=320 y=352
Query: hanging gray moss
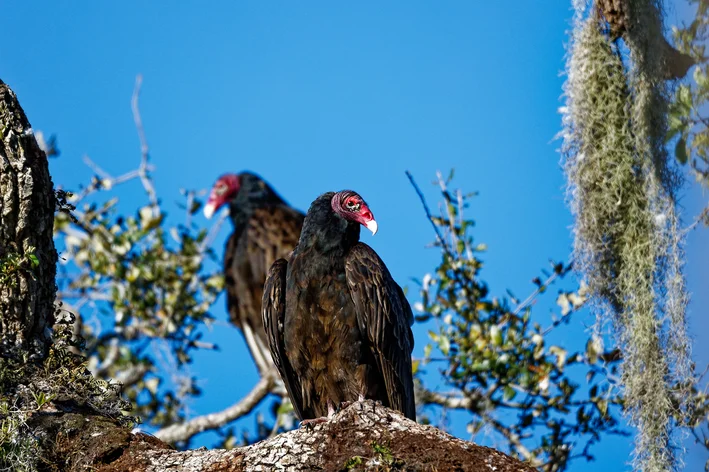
x=621 y=189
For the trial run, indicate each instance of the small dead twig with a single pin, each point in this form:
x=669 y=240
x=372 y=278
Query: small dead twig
x=143 y=169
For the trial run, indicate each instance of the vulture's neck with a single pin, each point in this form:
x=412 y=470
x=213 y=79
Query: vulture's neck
x=252 y=195
x=326 y=233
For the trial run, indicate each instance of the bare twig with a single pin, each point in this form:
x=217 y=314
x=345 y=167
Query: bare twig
x=108 y=181
x=132 y=375
x=513 y=439
x=182 y=432
x=451 y=218
x=97 y=296
x=439 y=236
x=527 y=301
x=461 y=221
x=703 y=217
x=110 y=358
x=427 y=397
x=213 y=232
x=144 y=150
x=95 y=167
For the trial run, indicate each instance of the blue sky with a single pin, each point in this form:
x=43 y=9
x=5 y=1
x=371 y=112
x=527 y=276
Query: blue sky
x=321 y=96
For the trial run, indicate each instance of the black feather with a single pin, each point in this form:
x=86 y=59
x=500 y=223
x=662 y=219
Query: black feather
x=345 y=328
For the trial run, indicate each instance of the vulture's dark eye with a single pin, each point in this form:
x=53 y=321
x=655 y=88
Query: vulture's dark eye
x=352 y=205
x=220 y=189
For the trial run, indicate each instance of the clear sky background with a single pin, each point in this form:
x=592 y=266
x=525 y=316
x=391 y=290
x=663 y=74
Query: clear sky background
x=320 y=96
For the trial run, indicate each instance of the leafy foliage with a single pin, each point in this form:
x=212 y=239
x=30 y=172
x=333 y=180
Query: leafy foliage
x=499 y=361
x=12 y=263
x=688 y=117
x=141 y=293
x=28 y=387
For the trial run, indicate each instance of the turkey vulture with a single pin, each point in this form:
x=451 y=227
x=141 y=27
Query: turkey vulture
x=338 y=325
x=265 y=229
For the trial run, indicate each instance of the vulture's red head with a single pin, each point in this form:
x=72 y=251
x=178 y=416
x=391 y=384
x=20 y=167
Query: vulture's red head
x=224 y=190
x=352 y=207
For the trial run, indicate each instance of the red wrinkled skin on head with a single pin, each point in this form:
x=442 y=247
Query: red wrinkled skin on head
x=366 y=213
x=339 y=204
x=228 y=181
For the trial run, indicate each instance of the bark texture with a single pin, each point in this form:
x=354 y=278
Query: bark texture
x=617 y=14
x=26 y=218
x=363 y=436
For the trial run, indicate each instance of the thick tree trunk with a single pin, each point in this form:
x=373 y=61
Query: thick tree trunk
x=26 y=218
x=64 y=420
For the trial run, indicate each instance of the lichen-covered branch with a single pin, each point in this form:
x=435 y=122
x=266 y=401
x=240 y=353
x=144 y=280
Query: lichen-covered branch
x=363 y=436
x=27 y=255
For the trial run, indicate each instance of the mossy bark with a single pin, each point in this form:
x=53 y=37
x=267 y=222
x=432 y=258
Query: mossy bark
x=26 y=217
x=363 y=437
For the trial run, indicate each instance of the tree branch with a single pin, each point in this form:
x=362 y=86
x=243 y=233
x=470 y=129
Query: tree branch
x=427 y=397
x=182 y=432
x=363 y=436
x=144 y=150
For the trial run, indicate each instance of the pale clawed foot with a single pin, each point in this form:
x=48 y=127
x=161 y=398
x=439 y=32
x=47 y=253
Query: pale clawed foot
x=312 y=422
x=330 y=409
x=344 y=405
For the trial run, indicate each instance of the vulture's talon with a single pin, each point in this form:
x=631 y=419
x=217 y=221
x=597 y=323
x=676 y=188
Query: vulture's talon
x=311 y=423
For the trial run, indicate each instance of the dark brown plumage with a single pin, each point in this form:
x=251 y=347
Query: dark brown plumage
x=265 y=229
x=338 y=325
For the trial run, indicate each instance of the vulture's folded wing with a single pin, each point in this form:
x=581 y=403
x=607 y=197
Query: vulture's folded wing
x=384 y=315
x=274 y=309
x=271 y=233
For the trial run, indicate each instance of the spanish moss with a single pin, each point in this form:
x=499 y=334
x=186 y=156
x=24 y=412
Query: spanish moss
x=621 y=189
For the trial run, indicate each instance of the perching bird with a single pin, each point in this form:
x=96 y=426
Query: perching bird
x=338 y=325
x=265 y=229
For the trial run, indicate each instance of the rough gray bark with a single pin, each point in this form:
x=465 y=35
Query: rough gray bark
x=26 y=218
x=78 y=429
x=363 y=436
x=616 y=13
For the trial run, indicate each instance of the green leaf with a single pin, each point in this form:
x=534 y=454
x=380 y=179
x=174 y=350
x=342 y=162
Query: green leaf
x=285 y=407
x=560 y=355
x=496 y=335
x=602 y=407
x=700 y=77
x=427 y=351
x=684 y=99
x=508 y=393
x=444 y=344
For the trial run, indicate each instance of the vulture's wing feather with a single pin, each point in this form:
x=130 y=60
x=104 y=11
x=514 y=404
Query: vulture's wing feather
x=271 y=233
x=274 y=310
x=230 y=277
x=385 y=317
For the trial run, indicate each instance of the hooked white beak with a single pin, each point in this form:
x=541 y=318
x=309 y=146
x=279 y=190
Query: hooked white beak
x=209 y=210
x=372 y=226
